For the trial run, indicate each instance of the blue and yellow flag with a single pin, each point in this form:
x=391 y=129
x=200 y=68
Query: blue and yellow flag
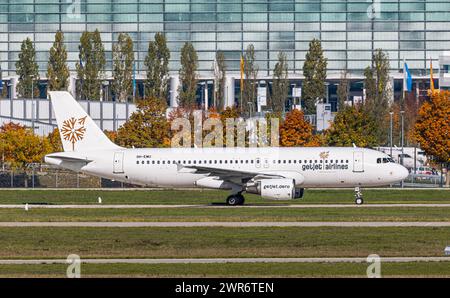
x=407 y=79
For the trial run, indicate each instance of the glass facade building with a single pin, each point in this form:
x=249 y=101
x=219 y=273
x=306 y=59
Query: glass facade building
x=415 y=30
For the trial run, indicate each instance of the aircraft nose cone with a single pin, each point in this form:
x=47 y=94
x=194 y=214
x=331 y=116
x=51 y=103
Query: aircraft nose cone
x=403 y=172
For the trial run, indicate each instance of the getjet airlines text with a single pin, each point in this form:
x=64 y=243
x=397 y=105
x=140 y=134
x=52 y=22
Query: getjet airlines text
x=276 y=186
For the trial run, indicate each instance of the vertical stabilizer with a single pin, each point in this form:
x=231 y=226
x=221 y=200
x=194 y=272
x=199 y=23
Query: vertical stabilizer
x=78 y=131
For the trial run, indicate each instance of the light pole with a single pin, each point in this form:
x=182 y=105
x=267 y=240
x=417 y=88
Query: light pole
x=403 y=139
x=391 y=114
x=32 y=103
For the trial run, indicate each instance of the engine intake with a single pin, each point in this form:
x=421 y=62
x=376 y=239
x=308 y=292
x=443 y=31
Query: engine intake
x=275 y=189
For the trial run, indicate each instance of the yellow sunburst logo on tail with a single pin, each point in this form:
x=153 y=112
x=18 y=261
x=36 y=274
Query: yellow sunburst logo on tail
x=73 y=130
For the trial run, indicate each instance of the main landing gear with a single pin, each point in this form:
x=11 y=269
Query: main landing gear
x=235 y=200
x=358 y=196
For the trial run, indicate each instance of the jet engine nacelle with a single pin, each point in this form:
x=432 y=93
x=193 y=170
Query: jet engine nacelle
x=275 y=189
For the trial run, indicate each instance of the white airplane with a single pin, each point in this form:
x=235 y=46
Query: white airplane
x=273 y=173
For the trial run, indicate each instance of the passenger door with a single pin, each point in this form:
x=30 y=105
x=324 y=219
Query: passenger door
x=358 y=161
x=118 y=163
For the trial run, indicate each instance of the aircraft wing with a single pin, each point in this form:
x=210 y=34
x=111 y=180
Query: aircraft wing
x=235 y=176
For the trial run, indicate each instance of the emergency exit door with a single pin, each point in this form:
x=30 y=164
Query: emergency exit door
x=118 y=163
x=358 y=161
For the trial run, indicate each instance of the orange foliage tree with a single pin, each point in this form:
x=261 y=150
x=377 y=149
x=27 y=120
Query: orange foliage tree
x=352 y=125
x=432 y=129
x=19 y=147
x=54 y=140
x=295 y=131
x=147 y=127
x=112 y=135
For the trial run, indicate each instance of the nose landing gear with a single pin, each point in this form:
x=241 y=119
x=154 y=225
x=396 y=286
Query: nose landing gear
x=358 y=196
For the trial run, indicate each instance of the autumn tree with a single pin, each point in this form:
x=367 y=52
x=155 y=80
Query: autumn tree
x=352 y=125
x=315 y=72
x=220 y=74
x=54 y=139
x=20 y=147
x=411 y=108
x=230 y=114
x=57 y=70
x=280 y=87
x=378 y=92
x=28 y=70
x=123 y=60
x=157 y=66
x=147 y=127
x=91 y=65
x=295 y=131
x=251 y=69
x=181 y=122
x=187 y=93
x=432 y=129
x=343 y=90
x=112 y=135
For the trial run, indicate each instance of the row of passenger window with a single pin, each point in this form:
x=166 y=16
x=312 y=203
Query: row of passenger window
x=184 y=162
x=309 y=161
x=226 y=161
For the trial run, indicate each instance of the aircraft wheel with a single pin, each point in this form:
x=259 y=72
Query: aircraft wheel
x=235 y=200
x=241 y=200
x=359 y=201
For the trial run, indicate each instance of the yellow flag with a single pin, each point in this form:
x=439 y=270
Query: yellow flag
x=431 y=76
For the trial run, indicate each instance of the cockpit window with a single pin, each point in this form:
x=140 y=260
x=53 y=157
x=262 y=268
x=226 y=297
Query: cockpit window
x=385 y=160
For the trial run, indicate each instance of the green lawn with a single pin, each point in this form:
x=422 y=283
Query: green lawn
x=413 y=269
x=216 y=242
x=213 y=242
x=211 y=196
x=227 y=214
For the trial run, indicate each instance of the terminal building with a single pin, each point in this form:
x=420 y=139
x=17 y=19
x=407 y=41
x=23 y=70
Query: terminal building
x=350 y=30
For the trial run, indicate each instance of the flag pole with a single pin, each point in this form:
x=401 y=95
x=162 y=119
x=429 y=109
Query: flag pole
x=404 y=82
x=242 y=79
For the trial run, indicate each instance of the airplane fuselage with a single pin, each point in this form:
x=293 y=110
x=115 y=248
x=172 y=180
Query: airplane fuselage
x=317 y=167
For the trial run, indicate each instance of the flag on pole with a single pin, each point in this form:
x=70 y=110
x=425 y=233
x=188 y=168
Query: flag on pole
x=431 y=76
x=407 y=79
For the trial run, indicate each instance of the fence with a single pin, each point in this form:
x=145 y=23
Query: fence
x=38 y=113
x=45 y=176
x=419 y=180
